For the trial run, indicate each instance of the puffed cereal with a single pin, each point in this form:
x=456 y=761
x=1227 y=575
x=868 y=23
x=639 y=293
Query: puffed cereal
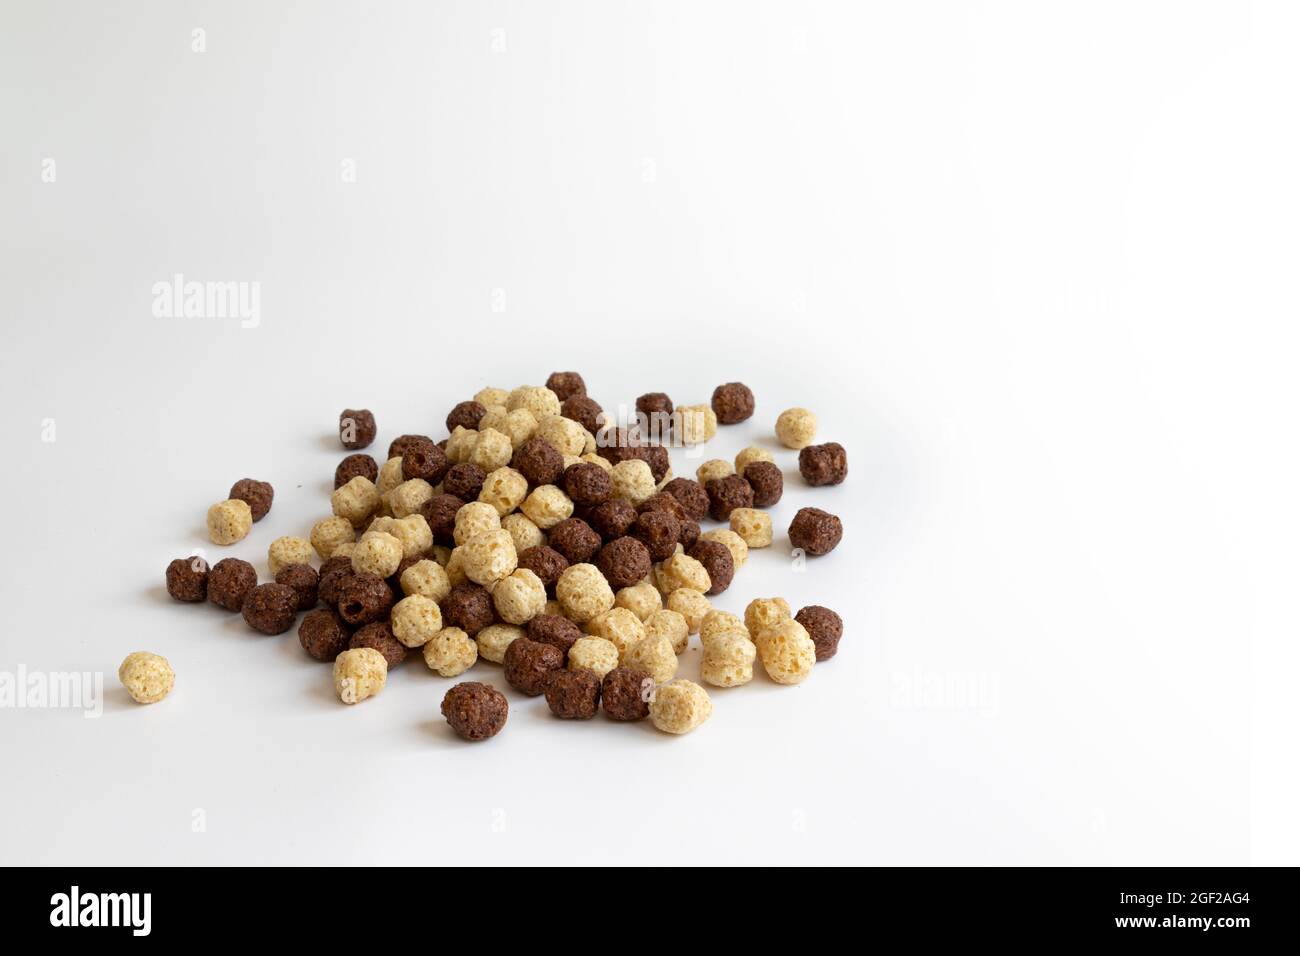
x=654 y=655
x=460 y=445
x=547 y=506
x=415 y=620
x=728 y=659
x=494 y=639
x=450 y=652
x=489 y=556
x=286 y=551
x=695 y=423
x=642 y=599
x=359 y=673
x=690 y=604
x=230 y=521
x=538 y=399
x=504 y=489
x=720 y=622
x=147 y=677
x=525 y=534
x=753 y=526
x=796 y=428
x=680 y=706
x=568 y=437
x=632 y=481
x=489 y=396
x=762 y=613
x=747 y=456
x=407 y=497
x=671 y=625
x=681 y=571
x=583 y=592
x=377 y=553
x=426 y=578
x=593 y=654
x=475 y=518
x=492 y=450
x=787 y=652
x=518 y=425
x=520 y=597
x=390 y=475
x=619 y=626
x=713 y=468
x=414 y=533
x=733 y=542
x=328 y=533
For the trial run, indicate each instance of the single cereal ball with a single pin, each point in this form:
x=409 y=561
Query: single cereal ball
x=323 y=634
x=520 y=597
x=655 y=403
x=682 y=571
x=747 y=456
x=625 y=694
x=489 y=556
x=752 y=526
x=489 y=396
x=495 y=640
x=258 y=495
x=529 y=663
x=538 y=461
x=641 y=598
x=787 y=652
x=328 y=533
x=415 y=620
x=450 y=652
x=545 y=562
x=271 y=608
x=826 y=464
x=475 y=711
x=611 y=519
x=824 y=626
x=669 y=625
x=286 y=551
x=439 y=513
x=354 y=465
x=659 y=531
x=356 y=501
x=475 y=518
x=523 y=532
x=465 y=415
x=711 y=469
x=680 y=706
x=574 y=539
x=690 y=534
x=727 y=494
x=655 y=655
x=187 y=579
x=305 y=583
x=538 y=400
x=587 y=484
x=460 y=445
x=796 y=428
x=504 y=489
x=229 y=582
x=584 y=411
x=593 y=654
x=424 y=459
x=356 y=427
x=378 y=636
x=566 y=384
x=547 y=506
x=583 y=592
x=733 y=542
x=398 y=446
x=765 y=479
x=632 y=481
x=414 y=534
x=377 y=553
x=733 y=402
x=469 y=607
x=566 y=435
x=229 y=521
x=619 y=626
x=465 y=481
x=147 y=677
x=334 y=573
x=764 y=613
x=815 y=532
x=572 y=695
x=624 y=562
x=390 y=476
x=408 y=497
x=719 y=622
x=662 y=501
x=717 y=562
x=364 y=598
x=695 y=424
x=519 y=426
x=690 y=495
x=493 y=450
x=359 y=673
x=427 y=579
x=553 y=629
x=728 y=659
x=692 y=605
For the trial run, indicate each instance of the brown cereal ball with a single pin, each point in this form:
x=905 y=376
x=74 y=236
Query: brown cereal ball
x=618 y=444
x=465 y=481
x=625 y=693
x=271 y=608
x=555 y=630
x=187 y=579
x=364 y=598
x=323 y=634
x=826 y=464
x=397 y=447
x=727 y=494
x=733 y=403
x=572 y=695
x=612 y=519
x=475 y=711
x=566 y=385
x=379 y=636
x=356 y=427
x=539 y=462
x=656 y=456
x=229 y=582
x=440 y=513
x=354 y=465
x=545 y=562
x=465 y=415
x=423 y=459
x=690 y=534
x=815 y=531
x=258 y=495
x=584 y=411
x=654 y=403
x=468 y=606
x=587 y=484
x=690 y=495
x=333 y=574
x=624 y=562
x=575 y=540
x=658 y=531
x=765 y=479
x=824 y=626
x=717 y=561
x=528 y=663
x=305 y=583
x=662 y=501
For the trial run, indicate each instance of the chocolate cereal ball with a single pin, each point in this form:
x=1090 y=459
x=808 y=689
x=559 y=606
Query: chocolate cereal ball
x=815 y=531
x=575 y=540
x=271 y=608
x=475 y=711
x=423 y=459
x=305 y=583
x=732 y=403
x=539 y=462
x=566 y=385
x=465 y=415
x=397 y=447
x=690 y=495
x=465 y=481
x=656 y=456
x=612 y=519
x=364 y=597
x=766 y=480
x=440 y=514
x=824 y=626
x=658 y=531
x=826 y=464
x=354 y=465
x=323 y=634
x=545 y=562
x=527 y=664
x=727 y=494
x=625 y=693
x=584 y=411
x=356 y=427
x=467 y=606
x=187 y=579
x=229 y=582
x=662 y=501
x=655 y=403
x=378 y=636
x=717 y=560
x=333 y=574
x=690 y=534
x=624 y=562
x=572 y=695
x=618 y=444
x=587 y=484
x=257 y=494
x=555 y=630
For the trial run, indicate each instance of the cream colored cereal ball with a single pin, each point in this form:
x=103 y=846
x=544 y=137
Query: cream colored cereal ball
x=475 y=518
x=378 y=552
x=642 y=599
x=595 y=459
x=414 y=533
x=728 y=659
x=690 y=604
x=461 y=444
x=753 y=526
x=593 y=654
x=681 y=571
x=415 y=620
x=489 y=396
x=654 y=655
x=455 y=568
x=680 y=706
x=762 y=613
x=441 y=554
x=747 y=456
x=382 y=523
x=494 y=639
x=568 y=437
x=671 y=625
x=619 y=626
x=547 y=506
x=344 y=550
x=787 y=652
x=519 y=426
x=526 y=534
x=696 y=423
x=359 y=673
x=286 y=551
x=733 y=543
x=450 y=652
x=713 y=468
x=328 y=533
x=520 y=597
x=721 y=622
x=390 y=475
x=489 y=556
x=229 y=521
x=492 y=450
x=583 y=592
x=632 y=480
x=407 y=497
x=494 y=417
x=427 y=579
x=796 y=428
x=147 y=677
x=504 y=489
x=538 y=399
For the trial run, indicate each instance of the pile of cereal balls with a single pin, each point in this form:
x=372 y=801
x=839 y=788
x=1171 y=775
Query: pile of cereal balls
x=544 y=538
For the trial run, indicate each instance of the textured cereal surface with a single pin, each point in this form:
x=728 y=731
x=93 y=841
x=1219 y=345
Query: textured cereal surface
x=494 y=639
x=691 y=604
x=642 y=599
x=653 y=654
x=328 y=533
x=762 y=613
x=519 y=597
x=583 y=592
x=733 y=542
x=787 y=652
x=796 y=428
x=671 y=625
x=416 y=620
x=450 y=652
x=426 y=578
x=229 y=521
x=593 y=654
x=753 y=526
x=147 y=677
x=680 y=706
x=288 y=550
x=504 y=489
x=489 y=556
x=619 y=626
x=475 y=518
x=377 y=553
x=359 y=673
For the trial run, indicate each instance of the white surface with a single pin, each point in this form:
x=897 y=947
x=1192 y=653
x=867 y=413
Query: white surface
x=1032 y=264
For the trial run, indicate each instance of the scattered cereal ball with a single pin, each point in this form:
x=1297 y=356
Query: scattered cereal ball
x=492 y=450
x=520 y=597
x=469 y=607
x=733 y=543
x=354 y=465
x=826 y=464
x=641 y=598
x=720 y=622
x=364 y=598
x=696 y=424
x=765 y=479
x=465 y=415
x=147 y=677
x=399 y=445
x=733 y=402
x=495 y=640
x=305 y=583
x=815 y=532
x=625 y=693
x=691 y=604
x=728 y=659
x=356 y=427
x=377 y=553
x=407 y=498
x=378 y=636
x=523 y=532
x=566 y=435
x=323 y=634
x=427 y=579
x=359 y=673
x=764 y=613
x=717 y=562
x=670 y=625
x=475 y=711
x=679 y=706
x=333 y=574
x=540 y=401
x=824 y=626
x=439 y=513
x=538 y=461
x=587 y=484
x=682 y=571
x=593 y=654
x=632 y=481
x=572 y=695
x=423 y=459
x=752 y=526
x=655 y=403
x=659 y=531
x=727 y=494
x=654 y=655
x=489 y=556
x=583 y=592
x=390 y=476
x=460 y=446
x=796 y=428
x=504 y=489
x=711 y=469
x=258 y=495
x=465 y=481
x=547 y=506
x=229 y=521
x=619 y=626
x=611 y=519
x=450 y=652
x=747 y=456
x=270 y=608
x=529 y=663
x=787 y=652
x=493 y=417
x=574 y=539
x=566 y=384
x=415 y=620
x=229 y=582
x=584 y=411
x=356 y=501
x=328 y=533
x=554 y=629
x=187 y=579
x=475 y=518
x=489 y=396
x=624 y=562
x=545 y=562
x=414 y=534
x=286 y=551
x=519 y=426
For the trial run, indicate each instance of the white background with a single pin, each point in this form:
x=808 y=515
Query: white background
x=1033 y=264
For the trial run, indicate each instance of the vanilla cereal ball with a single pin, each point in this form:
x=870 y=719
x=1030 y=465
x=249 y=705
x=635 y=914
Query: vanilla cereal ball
x=620 y=627
x=796 y=428
x=671 y=625
x=345 y=550
x=520 y=597
x=682 y=571
x=492 y=450
x=593 y=654
x=406 y=498
x=787 y=652
x=455 y=568
x=525 y=534
x=450 y=652
x=475 y=518
x=547 y=506
x=594 y=459
x=721 y=622
x=148 y=678
x=494 y=639
x=680 y=706
x=494 y=417
x=568 y=437
x=690 y=604
x=357 y=500
x=328 y=533
x=427 y=579
x=655 y=655
x=441 y=554
x=538 y=399
x=733 y=543
x=632 y=481
x=583 y=592
x=390 y=475
x=382 y=523
x=728 y=659
x=762 y=613
x=378 y=553
x=286 y=551
x=747 y=456
x=753 y=526
x=414 y=533
x=504 y=489
x=415 y=620
x=489 y=556
x=519 y=426
x=713 y=468
x=696 y=423
x=229 y=521
x=487 y=397
x=642 y=599
x=460 y=445
x=359 y=673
